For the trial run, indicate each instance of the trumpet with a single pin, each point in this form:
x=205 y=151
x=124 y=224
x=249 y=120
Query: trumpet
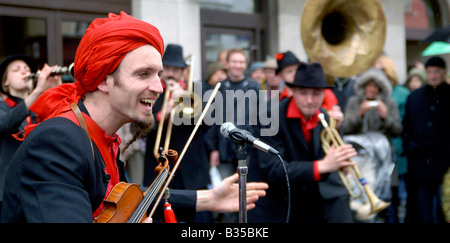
x=57 y=71
x=329 y=137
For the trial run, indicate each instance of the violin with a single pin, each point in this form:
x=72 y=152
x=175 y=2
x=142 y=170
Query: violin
x=126 y=202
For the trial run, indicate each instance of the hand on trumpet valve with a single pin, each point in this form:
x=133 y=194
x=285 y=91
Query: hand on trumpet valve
x=336 y=158
x=336 y=114
x=176 y=91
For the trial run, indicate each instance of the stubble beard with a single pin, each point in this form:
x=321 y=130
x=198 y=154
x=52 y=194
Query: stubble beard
x=139 y=128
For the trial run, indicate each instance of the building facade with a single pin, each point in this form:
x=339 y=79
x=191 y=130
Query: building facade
x=50 y=30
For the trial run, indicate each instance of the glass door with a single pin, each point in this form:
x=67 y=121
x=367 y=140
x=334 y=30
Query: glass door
x=217 y=39
x=25 y=32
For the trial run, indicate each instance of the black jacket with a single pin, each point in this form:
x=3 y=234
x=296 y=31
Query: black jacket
x=306 y=200
x=54 y=178
x=12 y=121
x=426 y=132
x=239 y=108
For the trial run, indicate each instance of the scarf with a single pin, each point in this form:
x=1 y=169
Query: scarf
x=307 y=125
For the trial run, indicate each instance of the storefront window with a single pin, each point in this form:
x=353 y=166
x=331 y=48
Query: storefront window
x=22 y=35
x=72 y=32
x=216 y=42
x=235 y=6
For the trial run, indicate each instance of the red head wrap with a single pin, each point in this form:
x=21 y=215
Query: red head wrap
x=105 y=44
x=102 y=48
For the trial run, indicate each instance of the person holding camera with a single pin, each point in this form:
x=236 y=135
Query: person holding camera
x=372 y=109
x=369 y=115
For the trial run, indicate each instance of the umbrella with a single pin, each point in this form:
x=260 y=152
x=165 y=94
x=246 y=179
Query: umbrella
x=442 y=34
x=437 y=48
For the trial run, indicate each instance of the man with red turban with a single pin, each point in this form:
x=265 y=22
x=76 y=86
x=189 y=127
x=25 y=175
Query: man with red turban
x=68 y=164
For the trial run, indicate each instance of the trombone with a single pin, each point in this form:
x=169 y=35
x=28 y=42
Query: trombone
x=185 y=111
x=330 y=136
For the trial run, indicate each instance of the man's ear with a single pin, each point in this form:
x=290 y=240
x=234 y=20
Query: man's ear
x=103 y=86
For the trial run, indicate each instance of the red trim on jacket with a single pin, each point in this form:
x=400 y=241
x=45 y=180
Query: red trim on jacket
x=307 y=126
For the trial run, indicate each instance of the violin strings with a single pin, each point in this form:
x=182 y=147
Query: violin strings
x=143 y=206
x=147 y=200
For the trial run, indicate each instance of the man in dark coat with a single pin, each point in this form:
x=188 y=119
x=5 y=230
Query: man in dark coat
x=63 y=172
x=236 y=108
x=425 y=142
x=238 y=94
x=298 y=141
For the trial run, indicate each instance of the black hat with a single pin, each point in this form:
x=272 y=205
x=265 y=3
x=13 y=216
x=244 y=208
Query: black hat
x=436 y=62
x=27 y=59
x=286 y=59
x=173 y=56
x=309 y=75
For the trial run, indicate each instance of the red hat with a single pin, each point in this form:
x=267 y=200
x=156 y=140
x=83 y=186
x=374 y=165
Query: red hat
x=105 y=44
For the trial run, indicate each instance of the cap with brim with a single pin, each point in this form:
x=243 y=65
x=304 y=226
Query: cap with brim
x=27 y=59
x=436 y=62
x=285 y=59
x=212 y=68
x=309 y=75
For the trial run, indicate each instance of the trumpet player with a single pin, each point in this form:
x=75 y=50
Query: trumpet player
x=299 y=143
x=19 y=94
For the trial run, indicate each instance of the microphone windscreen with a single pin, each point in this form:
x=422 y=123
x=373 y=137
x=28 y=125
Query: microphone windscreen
x=226 y=128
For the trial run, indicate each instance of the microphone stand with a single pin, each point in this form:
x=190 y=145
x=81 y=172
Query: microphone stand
x=242 y=171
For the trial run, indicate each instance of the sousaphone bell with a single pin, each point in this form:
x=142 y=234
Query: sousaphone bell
x=345 y=36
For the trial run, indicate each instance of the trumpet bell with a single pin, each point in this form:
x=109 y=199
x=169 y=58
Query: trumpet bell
x=344 y=36
x=379 y=206
x=367 y=210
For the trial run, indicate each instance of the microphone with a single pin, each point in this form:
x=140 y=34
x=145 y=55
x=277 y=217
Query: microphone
x=243 y=137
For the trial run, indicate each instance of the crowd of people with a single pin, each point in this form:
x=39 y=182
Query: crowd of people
x=67 y=146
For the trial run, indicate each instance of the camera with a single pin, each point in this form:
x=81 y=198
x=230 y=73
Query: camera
x=373 y=103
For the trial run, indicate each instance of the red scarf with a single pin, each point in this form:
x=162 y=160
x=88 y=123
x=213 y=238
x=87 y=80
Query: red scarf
x=284 y=94
x=307 y=125
x=108 y=147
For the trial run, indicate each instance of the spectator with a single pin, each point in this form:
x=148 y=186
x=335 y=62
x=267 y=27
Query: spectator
x=425 y=143
x=416 y=79
x=256 y=72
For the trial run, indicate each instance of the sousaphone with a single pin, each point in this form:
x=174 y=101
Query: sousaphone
x=345 y=36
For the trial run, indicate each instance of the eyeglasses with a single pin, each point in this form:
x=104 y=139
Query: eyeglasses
x=435 y=72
